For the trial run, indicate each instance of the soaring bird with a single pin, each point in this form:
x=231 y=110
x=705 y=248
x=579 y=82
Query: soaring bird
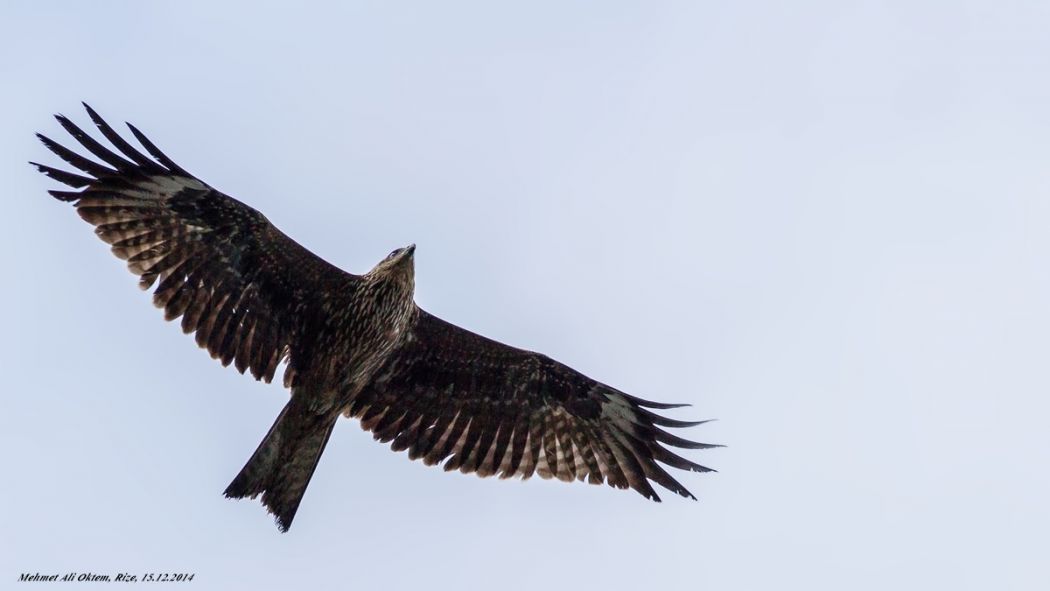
x=354 y=345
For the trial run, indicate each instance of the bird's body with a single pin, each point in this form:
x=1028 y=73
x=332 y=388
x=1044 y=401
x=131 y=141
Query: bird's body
x=355 y=345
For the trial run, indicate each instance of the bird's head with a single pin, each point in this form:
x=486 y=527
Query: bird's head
x=397 y=266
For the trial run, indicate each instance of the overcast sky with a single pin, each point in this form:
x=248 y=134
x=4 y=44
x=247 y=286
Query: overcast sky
x=823 y=223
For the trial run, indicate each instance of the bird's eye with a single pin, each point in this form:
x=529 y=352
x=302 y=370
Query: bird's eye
x=393 y=253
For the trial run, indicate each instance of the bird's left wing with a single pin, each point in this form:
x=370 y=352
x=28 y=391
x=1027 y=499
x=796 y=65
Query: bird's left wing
x=488 y=408
x=237 y=281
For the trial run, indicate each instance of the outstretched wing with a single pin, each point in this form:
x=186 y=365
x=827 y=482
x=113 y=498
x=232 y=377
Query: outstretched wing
x=235 y=279
x=490 y=408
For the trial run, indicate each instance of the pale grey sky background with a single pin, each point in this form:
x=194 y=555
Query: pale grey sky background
x=823 y=223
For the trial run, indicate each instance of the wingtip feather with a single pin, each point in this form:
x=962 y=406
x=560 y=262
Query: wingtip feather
x=67 y=196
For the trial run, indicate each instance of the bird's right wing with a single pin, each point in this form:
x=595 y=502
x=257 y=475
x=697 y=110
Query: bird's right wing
x=237 y=281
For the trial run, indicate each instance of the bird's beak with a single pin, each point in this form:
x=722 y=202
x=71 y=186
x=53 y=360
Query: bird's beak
x=410 y=249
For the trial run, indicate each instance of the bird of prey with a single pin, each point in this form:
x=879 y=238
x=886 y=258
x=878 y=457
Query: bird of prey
x=354 y=345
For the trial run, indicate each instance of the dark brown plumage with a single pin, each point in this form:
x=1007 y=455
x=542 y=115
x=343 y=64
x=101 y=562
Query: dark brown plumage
x=355 y=345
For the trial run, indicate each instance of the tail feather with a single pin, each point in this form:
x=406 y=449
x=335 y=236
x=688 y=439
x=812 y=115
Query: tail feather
x=282 y=465
x=254 y=476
